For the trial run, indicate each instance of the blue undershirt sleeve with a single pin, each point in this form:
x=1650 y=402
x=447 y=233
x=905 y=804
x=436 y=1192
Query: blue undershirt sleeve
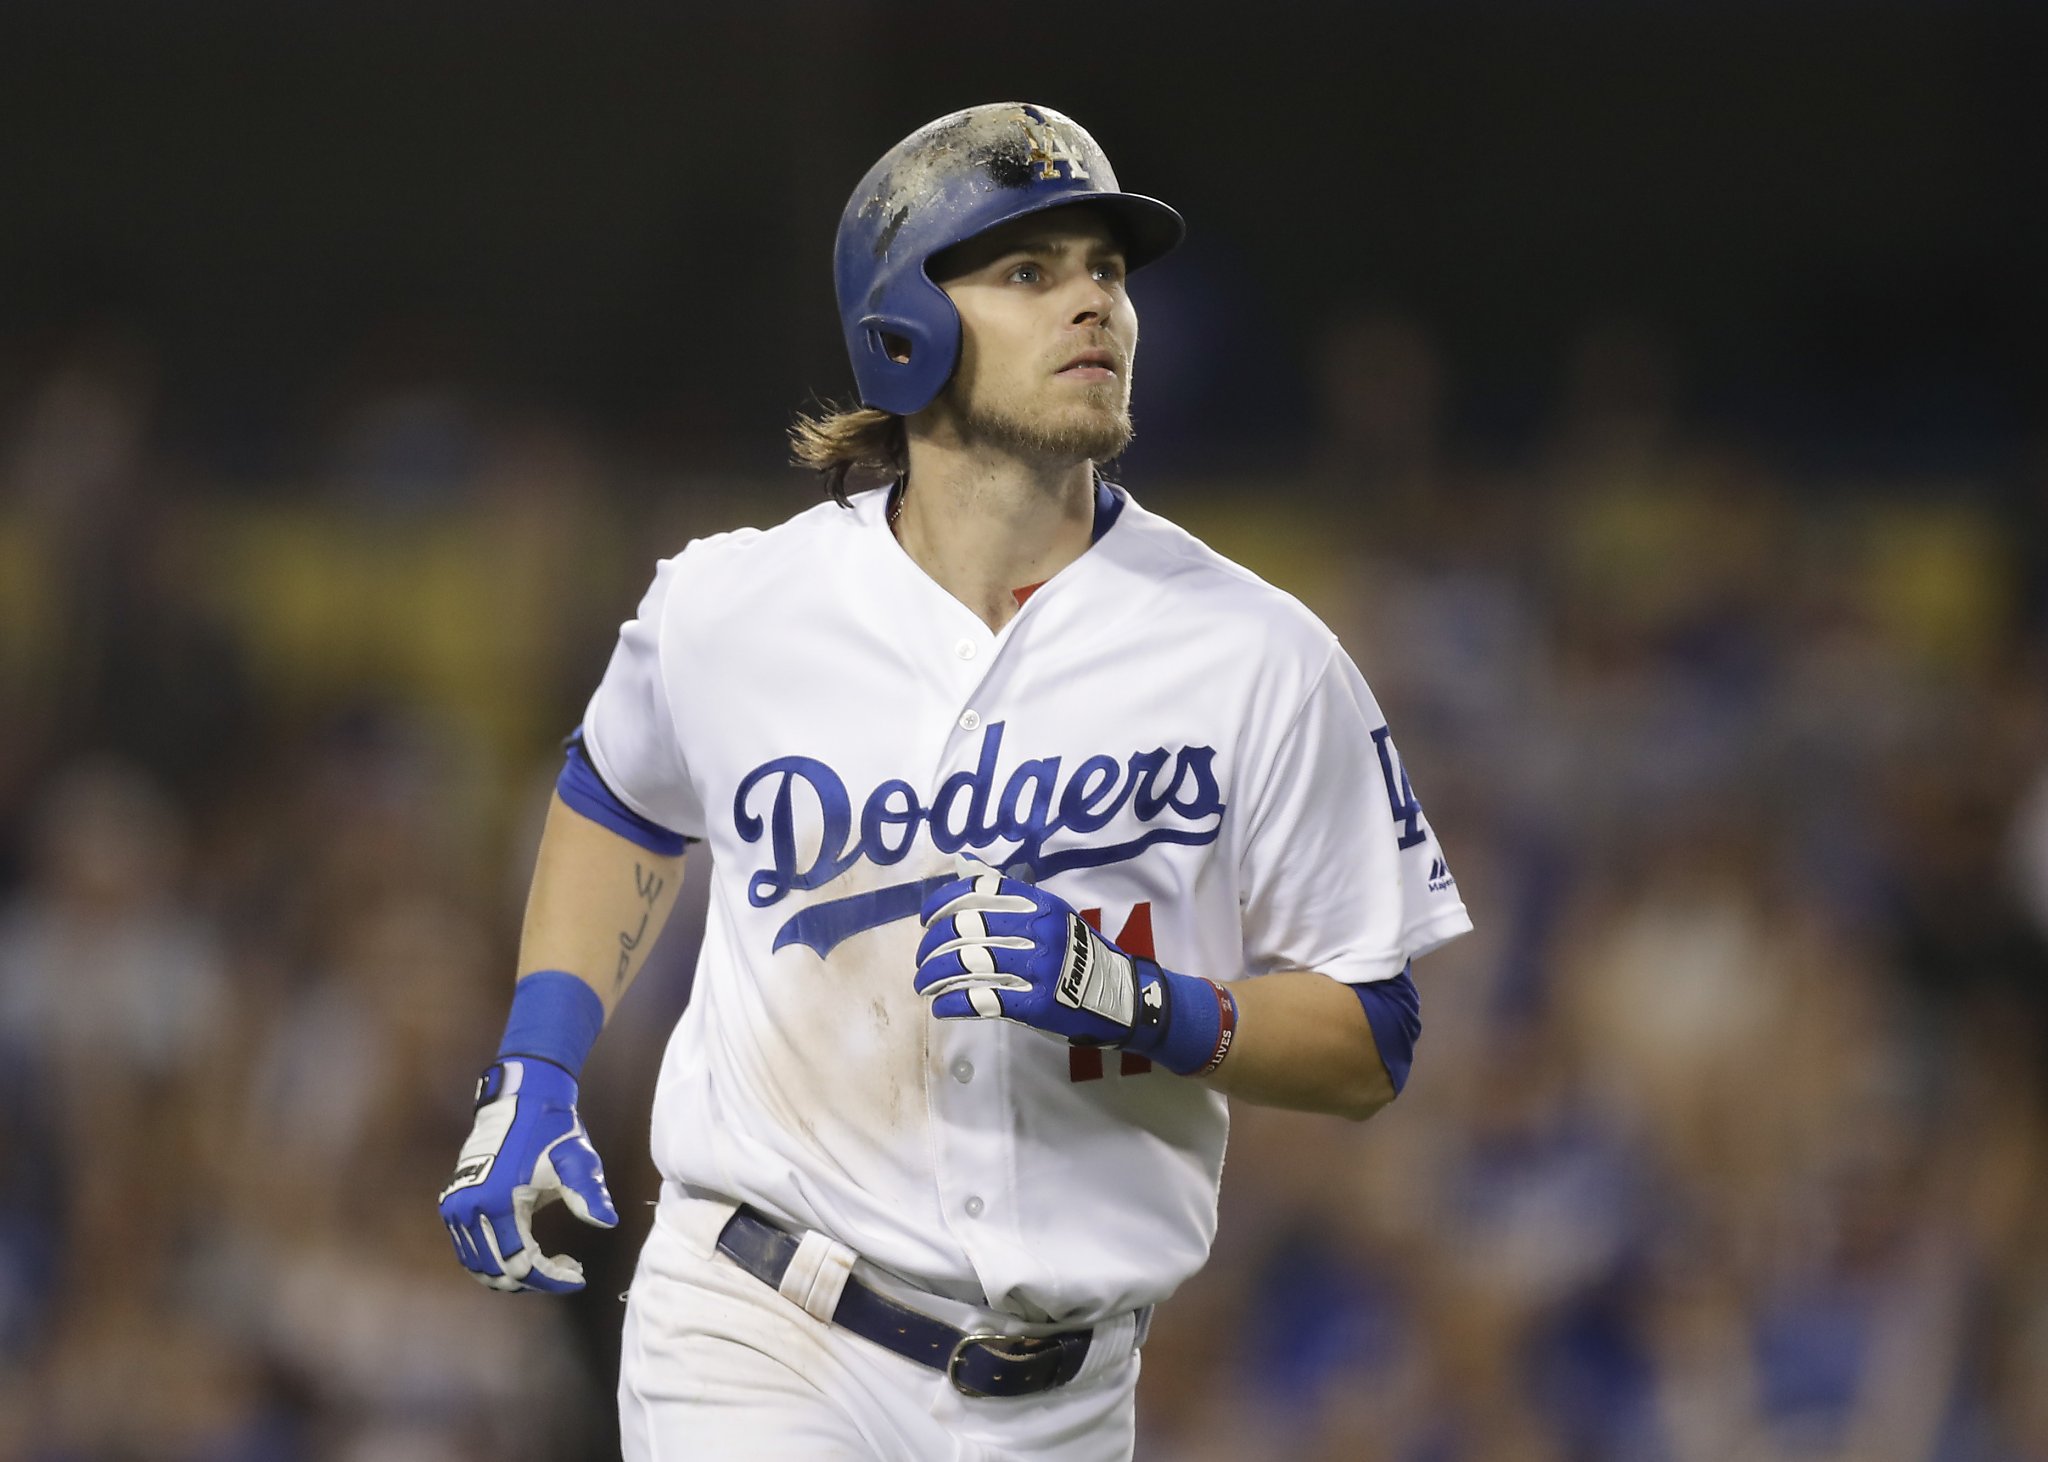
x=584 y=791
x=1394 y=1010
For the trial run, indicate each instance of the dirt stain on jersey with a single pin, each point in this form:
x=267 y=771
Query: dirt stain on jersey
x=848 y=1047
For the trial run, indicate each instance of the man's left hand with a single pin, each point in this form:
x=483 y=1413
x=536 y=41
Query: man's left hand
x=997 y=947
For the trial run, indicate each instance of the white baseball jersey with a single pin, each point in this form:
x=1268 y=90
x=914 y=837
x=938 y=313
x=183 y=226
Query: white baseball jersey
x=1158 y=736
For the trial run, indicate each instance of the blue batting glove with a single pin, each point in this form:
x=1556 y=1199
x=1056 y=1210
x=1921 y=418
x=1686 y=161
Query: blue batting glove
x=527 y=1149
x=997 y=947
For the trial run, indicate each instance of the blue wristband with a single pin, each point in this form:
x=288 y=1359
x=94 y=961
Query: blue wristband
x=556 y=1017
x=1188 y=1036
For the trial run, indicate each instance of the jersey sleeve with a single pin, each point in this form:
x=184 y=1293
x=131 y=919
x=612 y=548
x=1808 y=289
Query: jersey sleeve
x=1341 y=871
x=630 y=727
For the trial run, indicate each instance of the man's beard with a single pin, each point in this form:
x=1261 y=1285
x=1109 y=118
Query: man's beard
x=1071 y=436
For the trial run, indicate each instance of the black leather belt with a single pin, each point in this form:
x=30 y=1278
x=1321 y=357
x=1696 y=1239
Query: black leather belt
x=977 y=1364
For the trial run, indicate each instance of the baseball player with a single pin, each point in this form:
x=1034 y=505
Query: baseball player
x=1037 y=830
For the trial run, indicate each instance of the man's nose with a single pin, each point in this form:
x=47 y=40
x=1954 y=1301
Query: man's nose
x=1094 y=305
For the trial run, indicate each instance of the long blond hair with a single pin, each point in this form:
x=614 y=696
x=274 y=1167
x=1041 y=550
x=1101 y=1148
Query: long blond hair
x=861 y=443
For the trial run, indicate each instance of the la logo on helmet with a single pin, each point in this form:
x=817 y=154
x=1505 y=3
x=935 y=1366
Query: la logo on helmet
x=1049 y=149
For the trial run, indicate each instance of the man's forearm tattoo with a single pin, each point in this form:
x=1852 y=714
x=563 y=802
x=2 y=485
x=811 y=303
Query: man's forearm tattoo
x=648 y=884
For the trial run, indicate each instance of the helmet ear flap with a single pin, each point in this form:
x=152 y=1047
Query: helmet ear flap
x=901 y=361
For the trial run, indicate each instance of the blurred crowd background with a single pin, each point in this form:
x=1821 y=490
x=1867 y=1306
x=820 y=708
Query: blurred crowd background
x=1650 y=396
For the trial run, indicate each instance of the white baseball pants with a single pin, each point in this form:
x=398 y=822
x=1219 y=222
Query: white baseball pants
x=718 y=1367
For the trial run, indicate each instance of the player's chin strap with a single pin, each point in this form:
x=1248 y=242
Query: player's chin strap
x=978 y=1364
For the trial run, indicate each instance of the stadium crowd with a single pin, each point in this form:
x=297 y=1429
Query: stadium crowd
x=1728 y=1135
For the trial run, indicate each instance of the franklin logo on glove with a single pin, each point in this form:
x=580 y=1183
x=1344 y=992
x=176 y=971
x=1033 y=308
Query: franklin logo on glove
x=1077 y=963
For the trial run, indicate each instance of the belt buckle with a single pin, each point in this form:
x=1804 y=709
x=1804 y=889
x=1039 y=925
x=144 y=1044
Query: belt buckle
x=960 y=1352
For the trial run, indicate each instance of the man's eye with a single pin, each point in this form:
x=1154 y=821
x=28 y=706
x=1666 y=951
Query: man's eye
x=1026 y=274
x=1109 y=273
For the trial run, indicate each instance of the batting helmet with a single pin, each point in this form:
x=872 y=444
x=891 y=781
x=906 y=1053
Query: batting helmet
x=943 y=184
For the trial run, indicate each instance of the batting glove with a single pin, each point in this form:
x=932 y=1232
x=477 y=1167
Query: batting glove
x=997 y=947
x=527 y=1149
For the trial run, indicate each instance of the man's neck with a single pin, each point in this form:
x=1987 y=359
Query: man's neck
x=985 y=526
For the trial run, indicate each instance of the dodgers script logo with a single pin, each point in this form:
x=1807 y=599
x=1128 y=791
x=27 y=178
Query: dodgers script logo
x=1173 y=795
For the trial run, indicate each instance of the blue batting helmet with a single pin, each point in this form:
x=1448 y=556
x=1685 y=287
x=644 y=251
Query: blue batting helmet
x=943 y=184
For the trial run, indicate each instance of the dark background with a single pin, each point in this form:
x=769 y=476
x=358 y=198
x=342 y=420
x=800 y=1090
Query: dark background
x=1834 y=209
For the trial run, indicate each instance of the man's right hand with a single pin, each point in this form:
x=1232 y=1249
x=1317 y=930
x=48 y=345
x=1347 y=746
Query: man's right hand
x=527 y=1149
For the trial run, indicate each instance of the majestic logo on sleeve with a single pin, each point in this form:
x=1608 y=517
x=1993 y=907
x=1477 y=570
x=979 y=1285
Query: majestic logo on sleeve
x=1150 y=797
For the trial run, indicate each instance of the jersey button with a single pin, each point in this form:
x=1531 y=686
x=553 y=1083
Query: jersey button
x=965 y=649
x=973 y=1207
x=970 y=720
x=963 y=1071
